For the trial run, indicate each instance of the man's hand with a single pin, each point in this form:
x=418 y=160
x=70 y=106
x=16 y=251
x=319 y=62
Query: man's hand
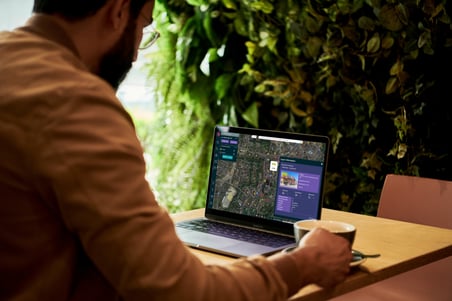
x=325 y=258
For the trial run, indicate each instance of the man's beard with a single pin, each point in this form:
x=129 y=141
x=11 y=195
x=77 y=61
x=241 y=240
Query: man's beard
x=117 y=62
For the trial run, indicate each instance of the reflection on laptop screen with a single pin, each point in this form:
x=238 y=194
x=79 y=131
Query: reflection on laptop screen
x=267 y=177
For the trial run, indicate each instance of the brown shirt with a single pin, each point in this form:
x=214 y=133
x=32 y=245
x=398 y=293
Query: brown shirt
x=78 y=221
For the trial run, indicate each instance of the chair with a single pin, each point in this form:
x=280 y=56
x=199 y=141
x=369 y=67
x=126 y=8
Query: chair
x=423 y=201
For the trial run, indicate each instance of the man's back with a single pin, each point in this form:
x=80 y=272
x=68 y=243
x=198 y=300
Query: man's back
x=37 y=79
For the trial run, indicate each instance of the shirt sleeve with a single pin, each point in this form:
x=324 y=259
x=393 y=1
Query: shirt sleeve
x=88 y=150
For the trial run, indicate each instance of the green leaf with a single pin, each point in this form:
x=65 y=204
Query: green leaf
x=240 y=25
x=229 y=4
x=314 y=46
x=198 y=2
x=366 y=23
x=387 y=42
x=222 y=84
x=262 y=5
x=392 y=17
x=391 y=85
x=251 y=115
x=374 y=43
x=207 y=23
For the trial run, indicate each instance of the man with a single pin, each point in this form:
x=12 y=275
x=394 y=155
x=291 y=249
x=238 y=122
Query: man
x=78 y=220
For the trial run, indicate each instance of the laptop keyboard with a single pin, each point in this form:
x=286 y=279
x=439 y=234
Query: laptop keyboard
x=239 y=233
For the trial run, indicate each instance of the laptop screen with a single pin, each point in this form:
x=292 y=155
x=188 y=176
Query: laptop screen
x=267 y=177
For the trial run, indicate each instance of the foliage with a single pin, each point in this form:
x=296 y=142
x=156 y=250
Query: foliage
x=363 y=72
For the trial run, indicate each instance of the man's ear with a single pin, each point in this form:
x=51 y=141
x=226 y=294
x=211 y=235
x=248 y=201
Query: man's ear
x=119 y=13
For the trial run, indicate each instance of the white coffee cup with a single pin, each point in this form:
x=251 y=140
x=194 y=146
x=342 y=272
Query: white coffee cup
x=346 y=230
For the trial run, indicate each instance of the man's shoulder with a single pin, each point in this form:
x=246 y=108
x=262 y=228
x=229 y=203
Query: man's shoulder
x=31 y=52
x=28 y=61
x=49 y=79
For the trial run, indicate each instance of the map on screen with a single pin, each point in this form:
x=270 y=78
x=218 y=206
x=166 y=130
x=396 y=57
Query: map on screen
x=266 y=177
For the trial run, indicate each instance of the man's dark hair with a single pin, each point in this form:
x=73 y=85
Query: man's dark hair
x=78 y=9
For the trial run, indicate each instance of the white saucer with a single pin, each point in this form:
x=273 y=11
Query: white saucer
x=356 y=261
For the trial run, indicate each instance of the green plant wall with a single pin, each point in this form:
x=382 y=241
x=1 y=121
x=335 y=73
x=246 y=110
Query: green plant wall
x=373 y=75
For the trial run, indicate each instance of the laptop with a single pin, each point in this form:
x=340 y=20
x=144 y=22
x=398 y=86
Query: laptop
x=260 y=183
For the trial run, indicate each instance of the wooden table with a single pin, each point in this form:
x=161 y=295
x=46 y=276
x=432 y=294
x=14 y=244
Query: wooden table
x=403 y=246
